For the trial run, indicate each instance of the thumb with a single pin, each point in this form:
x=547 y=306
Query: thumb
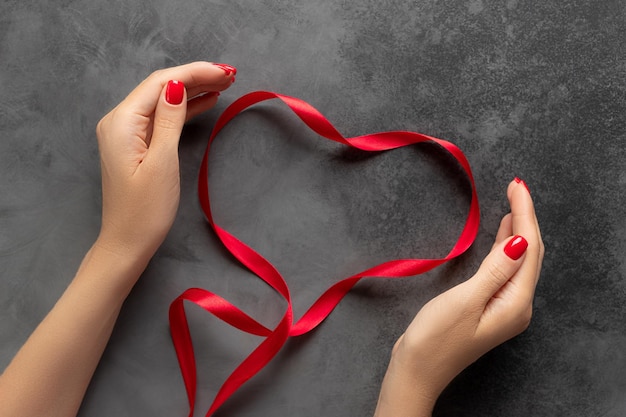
x=498 y=267
x=169 y=118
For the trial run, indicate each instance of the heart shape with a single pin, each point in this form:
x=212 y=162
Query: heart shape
x=276 y=338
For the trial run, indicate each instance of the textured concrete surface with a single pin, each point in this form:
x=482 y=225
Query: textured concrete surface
x=528 y=88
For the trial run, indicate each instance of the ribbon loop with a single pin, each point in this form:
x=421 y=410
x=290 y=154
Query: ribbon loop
x=324 y=305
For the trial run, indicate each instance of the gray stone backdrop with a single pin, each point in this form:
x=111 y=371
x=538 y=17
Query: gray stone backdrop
x=534 y=89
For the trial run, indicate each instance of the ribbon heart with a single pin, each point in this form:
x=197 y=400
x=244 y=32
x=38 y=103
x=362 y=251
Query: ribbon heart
x=275 y=338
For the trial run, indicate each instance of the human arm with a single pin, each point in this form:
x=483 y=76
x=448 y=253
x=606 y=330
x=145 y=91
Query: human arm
x=138 y=142
x=457 y=327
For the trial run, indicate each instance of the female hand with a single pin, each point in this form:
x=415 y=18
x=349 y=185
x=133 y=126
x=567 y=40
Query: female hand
x=138 y=143
x=454 y=329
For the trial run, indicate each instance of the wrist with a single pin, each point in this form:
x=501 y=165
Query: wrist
x=111 y=268
x=425 y=370
x=133 y=250
x=405 y=392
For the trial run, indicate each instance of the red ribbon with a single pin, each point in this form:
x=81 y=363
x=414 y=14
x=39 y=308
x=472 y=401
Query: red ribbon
x=275 y=338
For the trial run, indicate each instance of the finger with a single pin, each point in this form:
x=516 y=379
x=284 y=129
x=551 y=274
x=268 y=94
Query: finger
x=520 y=199
x=169 y=118
x=524 y=221
x=524 y=218
x=209 y=88
x=198 y=77
x=201 y=104
x=500 y=265
x=505 y=230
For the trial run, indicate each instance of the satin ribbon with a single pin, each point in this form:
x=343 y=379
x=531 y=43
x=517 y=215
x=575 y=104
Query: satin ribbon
x=275 y=338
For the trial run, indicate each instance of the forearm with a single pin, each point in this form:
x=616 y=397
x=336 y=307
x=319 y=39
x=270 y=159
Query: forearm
x=50 y=373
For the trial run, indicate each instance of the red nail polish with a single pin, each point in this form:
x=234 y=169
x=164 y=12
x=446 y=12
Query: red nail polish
x=228 y=69
x=174 y=92
x=520 y=181
x=516 y=247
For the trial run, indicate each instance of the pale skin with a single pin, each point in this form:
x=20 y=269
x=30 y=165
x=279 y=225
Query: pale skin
x=457 y=327
x=138 y=142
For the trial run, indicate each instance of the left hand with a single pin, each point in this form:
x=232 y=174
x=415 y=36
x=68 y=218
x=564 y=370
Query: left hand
x=138 y=143
x=457 y=327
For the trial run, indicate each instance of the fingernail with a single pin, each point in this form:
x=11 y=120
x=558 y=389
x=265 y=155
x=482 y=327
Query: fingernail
x=174 y=92
x=520 y=181
x=228 y=69
x=516 y=247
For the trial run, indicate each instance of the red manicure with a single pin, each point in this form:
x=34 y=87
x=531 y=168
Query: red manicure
x=520 y=181
x=516 y=247
x=228 y=69
x=174 y=92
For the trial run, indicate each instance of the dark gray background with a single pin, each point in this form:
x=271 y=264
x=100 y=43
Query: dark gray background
x=528 y=88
